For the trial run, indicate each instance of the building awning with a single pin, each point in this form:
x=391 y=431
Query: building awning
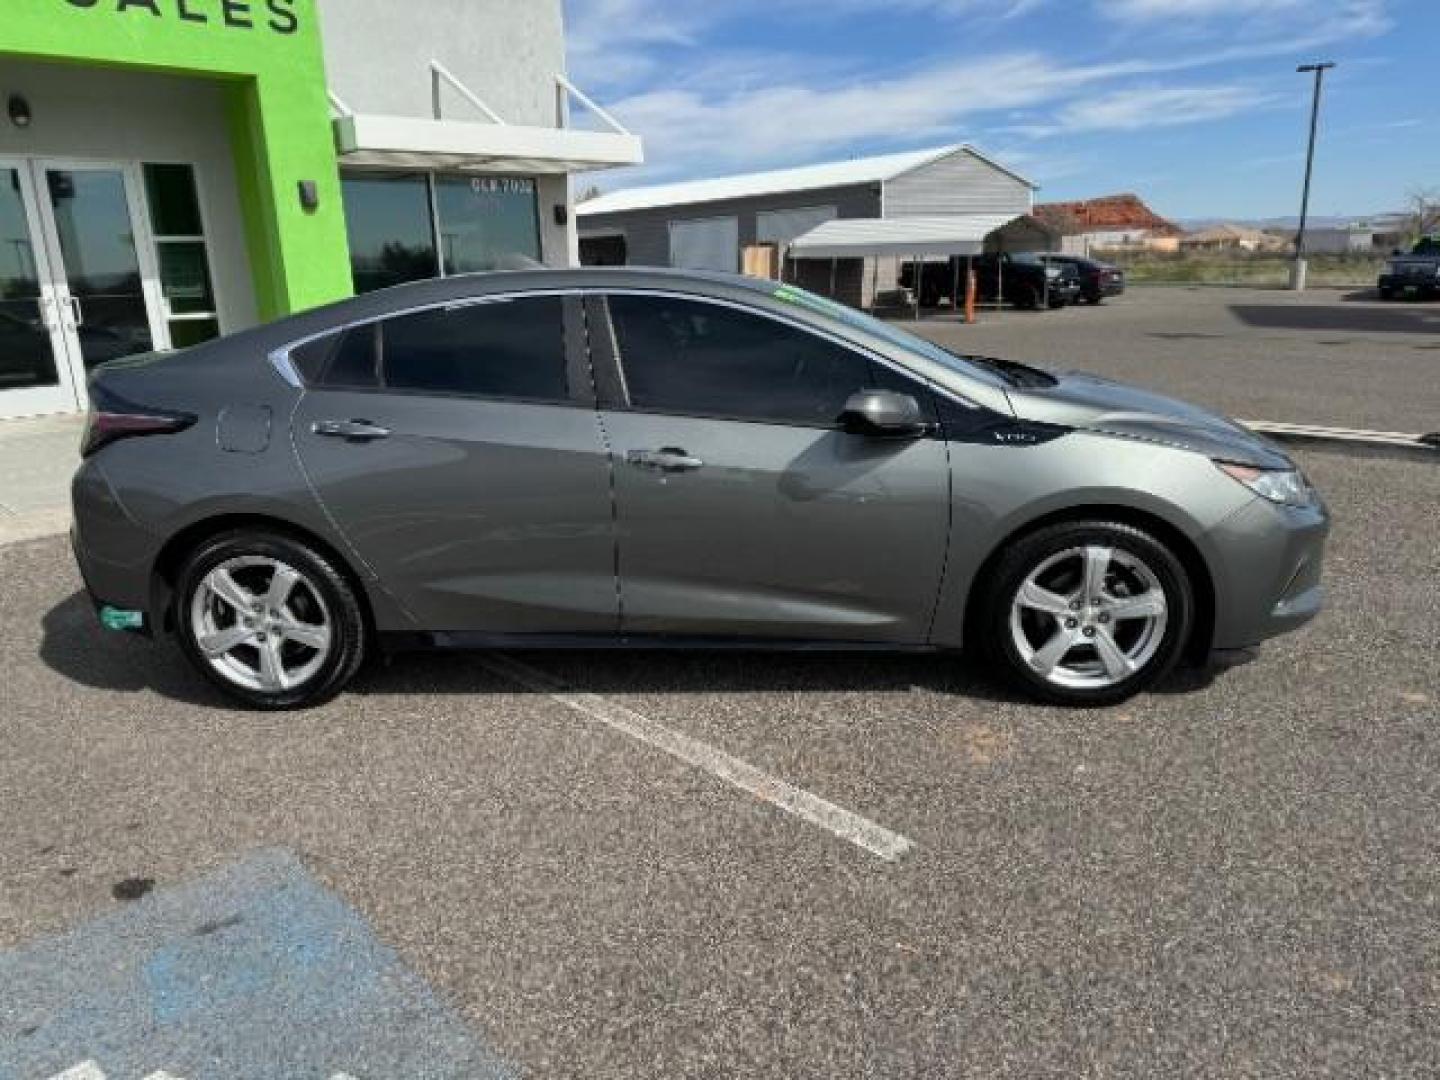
x=855 y=238
x=475 y=146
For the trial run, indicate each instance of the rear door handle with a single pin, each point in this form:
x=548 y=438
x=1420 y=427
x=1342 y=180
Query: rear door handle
x=666 y=459
x=357 y=430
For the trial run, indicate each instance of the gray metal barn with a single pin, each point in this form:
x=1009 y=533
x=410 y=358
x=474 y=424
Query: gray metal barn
x=709 y=224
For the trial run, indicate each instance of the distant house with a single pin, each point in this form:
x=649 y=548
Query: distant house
x=1230 y=237
x=1357 y=239
x=1109 y=221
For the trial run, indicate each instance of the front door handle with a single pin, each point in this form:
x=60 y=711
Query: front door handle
x=355 y=430
x=666 y=459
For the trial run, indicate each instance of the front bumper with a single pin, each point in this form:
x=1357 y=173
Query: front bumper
x=1269 y=561
x=1396 y=283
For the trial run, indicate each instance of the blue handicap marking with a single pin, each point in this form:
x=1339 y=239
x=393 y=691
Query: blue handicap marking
x=256 y=972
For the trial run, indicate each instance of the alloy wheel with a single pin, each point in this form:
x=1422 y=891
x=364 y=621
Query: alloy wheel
x=1089 y=617
x=261 y=624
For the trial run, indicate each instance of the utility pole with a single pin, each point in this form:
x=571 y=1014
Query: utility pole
x=1297 y=272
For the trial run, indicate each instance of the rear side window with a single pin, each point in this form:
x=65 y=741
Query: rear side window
x=342 y=361
x=700 y=359
x=504 y=349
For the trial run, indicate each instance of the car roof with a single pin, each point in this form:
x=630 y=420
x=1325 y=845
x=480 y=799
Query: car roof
x=760 y=293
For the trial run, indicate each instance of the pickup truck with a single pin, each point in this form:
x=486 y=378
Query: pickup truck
x=1417 y=272
x=1022 y=278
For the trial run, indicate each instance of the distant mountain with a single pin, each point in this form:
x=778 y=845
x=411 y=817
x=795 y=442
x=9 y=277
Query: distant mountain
x=1315 y=221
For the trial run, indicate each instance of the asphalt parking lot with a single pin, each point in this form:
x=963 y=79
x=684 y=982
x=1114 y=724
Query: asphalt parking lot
x=1328 y=356
x=1238 y=875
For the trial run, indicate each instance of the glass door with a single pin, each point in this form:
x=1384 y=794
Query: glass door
x=35 y=375
x=106 y=281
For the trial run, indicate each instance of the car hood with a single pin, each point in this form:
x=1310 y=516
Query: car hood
x=1091 y=403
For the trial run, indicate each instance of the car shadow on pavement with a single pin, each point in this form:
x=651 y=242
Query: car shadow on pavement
x=74 y=646
x=1414 y=319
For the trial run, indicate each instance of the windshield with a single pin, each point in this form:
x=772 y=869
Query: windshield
x=868 y=324
x=1429 y=245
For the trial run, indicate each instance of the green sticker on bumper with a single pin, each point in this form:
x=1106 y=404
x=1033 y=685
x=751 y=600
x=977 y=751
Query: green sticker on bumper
x=119 y=619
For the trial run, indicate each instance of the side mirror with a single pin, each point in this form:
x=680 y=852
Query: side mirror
x=884 y=413
x=1396 y=251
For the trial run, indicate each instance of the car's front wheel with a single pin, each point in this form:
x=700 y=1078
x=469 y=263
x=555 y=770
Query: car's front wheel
x=269 y=619
x=1087 y=613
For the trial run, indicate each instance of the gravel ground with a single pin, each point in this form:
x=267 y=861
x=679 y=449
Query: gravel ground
x=1324 y=357
x=1238 y=875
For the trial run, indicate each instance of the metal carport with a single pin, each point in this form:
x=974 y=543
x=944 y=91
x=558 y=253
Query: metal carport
x=909 y=237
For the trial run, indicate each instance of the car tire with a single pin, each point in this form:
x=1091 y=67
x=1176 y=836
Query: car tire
x=293 y=624
x=1387 y=294
x=1127 y=633
x=1028 y=298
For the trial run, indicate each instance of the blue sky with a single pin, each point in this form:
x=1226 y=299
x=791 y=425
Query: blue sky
x=1194 y=104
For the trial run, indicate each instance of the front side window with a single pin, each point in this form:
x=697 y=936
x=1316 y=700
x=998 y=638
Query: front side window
x=701 y=359
x=499 y=349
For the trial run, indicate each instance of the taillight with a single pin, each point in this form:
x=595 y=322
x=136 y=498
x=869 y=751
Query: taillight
x=113 y=418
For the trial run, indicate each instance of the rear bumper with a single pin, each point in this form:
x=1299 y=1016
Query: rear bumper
x=112 y=552
x=1271 y=560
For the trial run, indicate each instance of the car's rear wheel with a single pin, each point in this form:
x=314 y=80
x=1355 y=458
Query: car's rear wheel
x=1087 y=613
x=269 y=619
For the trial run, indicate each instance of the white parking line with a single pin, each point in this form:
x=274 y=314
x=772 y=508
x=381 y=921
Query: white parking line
x=860 y=831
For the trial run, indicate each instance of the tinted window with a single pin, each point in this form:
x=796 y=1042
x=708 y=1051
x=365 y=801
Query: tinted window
x=387 y=220
x=505 y=349
x=702 y=359
x=344 y=360
x=485 y=218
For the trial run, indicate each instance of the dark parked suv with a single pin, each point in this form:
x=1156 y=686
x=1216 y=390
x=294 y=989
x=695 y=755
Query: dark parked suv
x=1023 y=279
x=1097 y=279
x=1418 y=272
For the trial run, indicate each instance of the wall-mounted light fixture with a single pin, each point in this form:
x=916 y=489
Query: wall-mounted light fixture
x=562 y=214
x=19 y=110
x=309 y=195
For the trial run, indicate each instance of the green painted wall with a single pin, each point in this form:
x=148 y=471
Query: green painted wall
x=268 y=51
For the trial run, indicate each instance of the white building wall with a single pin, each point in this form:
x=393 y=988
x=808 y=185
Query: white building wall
x=100 y=114
x=378 y=53
x=960 y=183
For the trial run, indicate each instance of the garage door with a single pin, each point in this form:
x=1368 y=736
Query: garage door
x=705 y=244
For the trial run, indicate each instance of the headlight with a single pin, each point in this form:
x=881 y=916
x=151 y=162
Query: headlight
x=1285 y=486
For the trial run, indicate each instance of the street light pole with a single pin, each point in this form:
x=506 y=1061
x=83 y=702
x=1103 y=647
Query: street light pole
x=1297 y=273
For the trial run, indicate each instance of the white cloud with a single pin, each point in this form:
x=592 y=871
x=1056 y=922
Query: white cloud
x=1145 y=107
x=1145 y=10
x=704 y=108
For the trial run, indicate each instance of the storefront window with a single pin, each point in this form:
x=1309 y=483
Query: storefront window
x=484 y=219
x=387 y=217
x=480 y=222
x=191 y=311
